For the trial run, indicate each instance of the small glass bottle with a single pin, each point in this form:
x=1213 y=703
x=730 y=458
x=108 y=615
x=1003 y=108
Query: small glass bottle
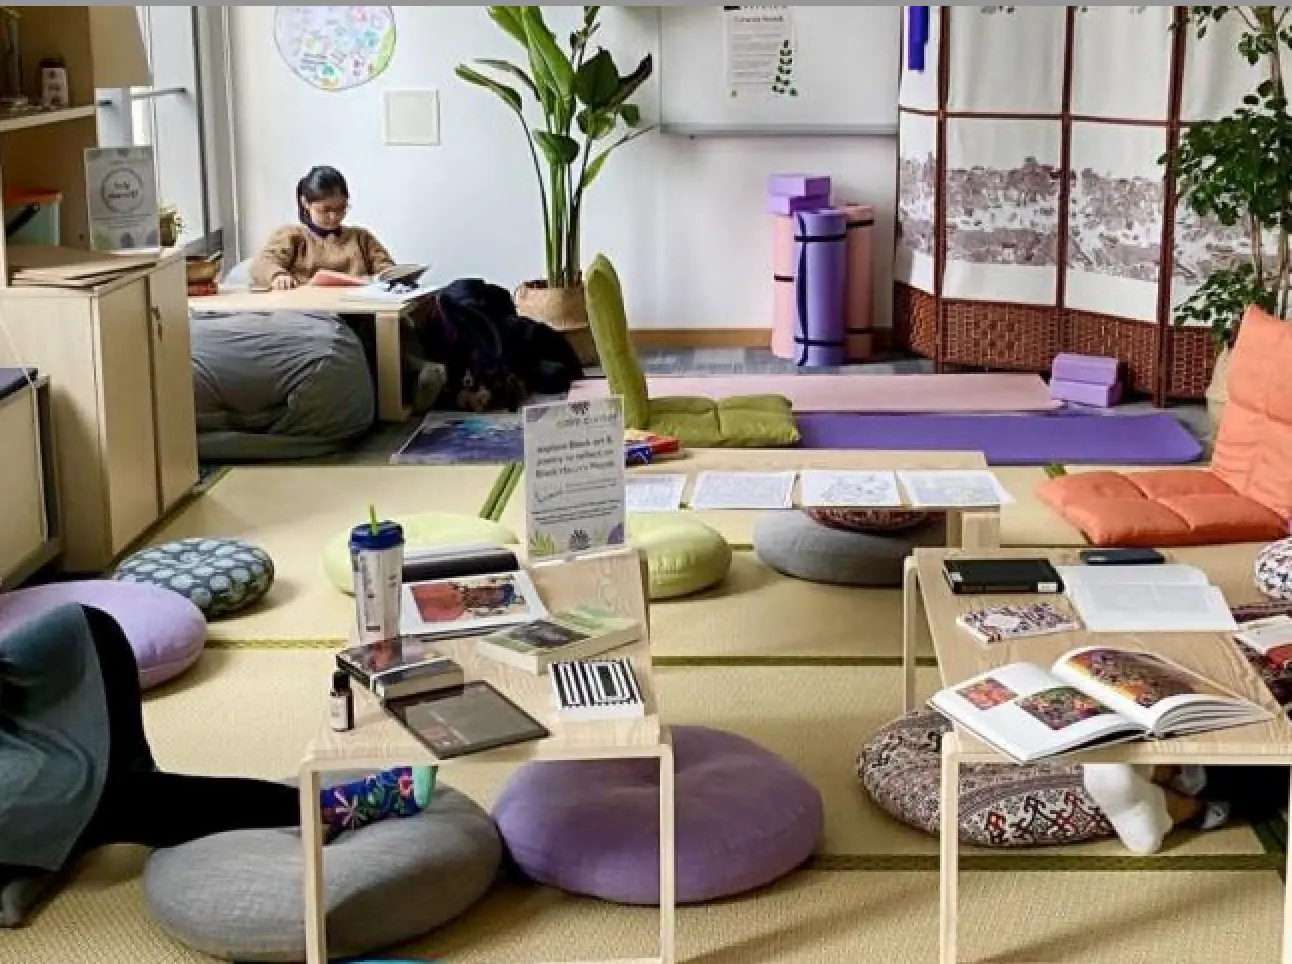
x=341 y=703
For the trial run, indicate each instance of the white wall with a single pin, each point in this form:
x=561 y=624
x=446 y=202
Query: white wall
x=682 y=219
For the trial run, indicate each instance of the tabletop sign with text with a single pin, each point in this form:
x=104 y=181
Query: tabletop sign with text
x=574 y=477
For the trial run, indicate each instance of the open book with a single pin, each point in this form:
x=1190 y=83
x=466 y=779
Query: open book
x=1147 y=599
x=407 y=274
x=1090 y=696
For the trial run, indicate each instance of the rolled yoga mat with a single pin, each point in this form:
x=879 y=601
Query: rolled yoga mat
x=784 y=313
x=858 y=301
x=820 y=277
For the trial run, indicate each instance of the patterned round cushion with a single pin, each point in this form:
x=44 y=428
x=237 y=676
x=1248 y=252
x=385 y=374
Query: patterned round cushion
x=1001 y=805
x=870 y=520
x=1274 y=570
x=219 y=576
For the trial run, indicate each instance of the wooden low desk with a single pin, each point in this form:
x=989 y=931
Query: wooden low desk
x=1213 y=655
x=338 y=301
x=616 y=581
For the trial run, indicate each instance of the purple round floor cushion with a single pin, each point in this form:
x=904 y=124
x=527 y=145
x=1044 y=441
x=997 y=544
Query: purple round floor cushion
x=166 y=631
x=870 y=520
x=1273 y=570
x=1001 y=805
x=744 y=817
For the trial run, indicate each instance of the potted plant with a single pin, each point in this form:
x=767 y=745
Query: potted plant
x=581 y=103
x=1237 y=171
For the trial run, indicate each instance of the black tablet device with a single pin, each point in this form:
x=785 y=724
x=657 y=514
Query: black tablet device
x=466 y=719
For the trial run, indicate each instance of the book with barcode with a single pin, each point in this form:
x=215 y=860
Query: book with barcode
x=596 y=689
x=998 y=624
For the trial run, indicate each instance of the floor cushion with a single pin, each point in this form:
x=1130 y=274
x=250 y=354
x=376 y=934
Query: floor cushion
x=238 y=895
x=683 y=555
x=1001 y=805
x=165 y=630
x=870 y=520
x=743 y=818
x=219 y=576
x=795 y=545
x=1173 y=507
x=424 y=530
x=1274 y=570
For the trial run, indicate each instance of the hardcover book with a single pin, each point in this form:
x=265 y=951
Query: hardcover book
x=404 y=666
x=997 y=624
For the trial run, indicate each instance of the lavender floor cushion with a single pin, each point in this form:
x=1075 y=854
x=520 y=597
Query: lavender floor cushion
x=744 y=817
x=1001 y=805
x=166 y=631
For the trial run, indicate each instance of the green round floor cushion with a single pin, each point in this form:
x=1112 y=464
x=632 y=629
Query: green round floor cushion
x=424 y=530
x=683 y=554
x=219 y=576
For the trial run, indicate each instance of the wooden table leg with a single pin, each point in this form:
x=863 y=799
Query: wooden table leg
x=948 y=864
x=667 y=857
x=312 y=842
x=390 y=367
x=979 y=530
x=910 y=630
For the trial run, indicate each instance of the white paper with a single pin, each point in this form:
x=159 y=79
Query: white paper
x=1149 y=575
x=574 y=476
x=744 y=490
x=759 y=51
x=850 y=489
x=121 y=187
x=1146 y=608
x=654 y=493
x=953 y=489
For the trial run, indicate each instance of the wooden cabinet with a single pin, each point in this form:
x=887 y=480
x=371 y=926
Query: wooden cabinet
x=28 y=506
x=124 y=425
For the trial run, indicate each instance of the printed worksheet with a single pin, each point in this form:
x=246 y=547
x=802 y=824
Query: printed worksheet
x=866 y=490
x=952 y=488
x=744 y=490
x=654 y=493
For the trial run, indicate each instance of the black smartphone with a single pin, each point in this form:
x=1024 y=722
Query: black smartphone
x=1122 y=557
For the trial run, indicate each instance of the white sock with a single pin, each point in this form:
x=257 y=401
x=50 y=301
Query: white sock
x=1190 y=780
x=1133 y=804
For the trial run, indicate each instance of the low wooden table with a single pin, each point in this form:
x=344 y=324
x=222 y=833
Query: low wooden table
x=931 y=606
x=617 y=581
x=338 y=301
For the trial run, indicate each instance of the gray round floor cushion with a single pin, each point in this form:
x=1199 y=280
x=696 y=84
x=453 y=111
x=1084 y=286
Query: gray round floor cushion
x=796 y=545
x=238 y=895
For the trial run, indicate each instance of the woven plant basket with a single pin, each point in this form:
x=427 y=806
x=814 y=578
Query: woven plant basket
x=564 y=309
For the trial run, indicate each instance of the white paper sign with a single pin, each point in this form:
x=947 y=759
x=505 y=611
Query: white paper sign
x=744 y=490
x=759 y=51
x=655 y=493
x=822 y=487
x=574 y=476
x=121 y=188
x=949 y=488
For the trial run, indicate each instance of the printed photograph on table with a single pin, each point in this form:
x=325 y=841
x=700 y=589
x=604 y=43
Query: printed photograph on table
x=469 y=604
x=1061 y=707
x=987 y=693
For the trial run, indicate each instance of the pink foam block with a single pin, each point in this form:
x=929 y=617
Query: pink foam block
x=1093 y=369
x=798 y=185
x=858 y=299
x=780 y=204
x=1086 y=393
x=784 y=311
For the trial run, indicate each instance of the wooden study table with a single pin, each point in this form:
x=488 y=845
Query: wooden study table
x=931 y=607
x=618 y=582
x=385 y=313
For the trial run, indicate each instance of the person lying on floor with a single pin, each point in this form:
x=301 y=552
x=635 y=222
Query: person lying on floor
x=76 y=770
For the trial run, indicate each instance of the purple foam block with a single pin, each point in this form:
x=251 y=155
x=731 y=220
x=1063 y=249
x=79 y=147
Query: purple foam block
x=1085 y=393
x=798 y=185
x=780 y=204
x=820 y=280
x=1094 y=369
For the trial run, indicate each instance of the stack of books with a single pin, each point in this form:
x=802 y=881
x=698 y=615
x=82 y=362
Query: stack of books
x=643 y=448
x=395 y=669
x=53 y=267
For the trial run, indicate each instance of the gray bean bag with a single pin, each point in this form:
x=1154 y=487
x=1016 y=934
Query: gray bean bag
x=278 y=385
x=239 y=895
x=796 y=545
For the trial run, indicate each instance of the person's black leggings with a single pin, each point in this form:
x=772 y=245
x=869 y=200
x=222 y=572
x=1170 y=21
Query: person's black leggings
x=142 y=805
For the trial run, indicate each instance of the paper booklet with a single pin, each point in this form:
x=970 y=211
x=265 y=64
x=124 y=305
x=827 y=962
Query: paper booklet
x=849 y=489
x=1146 y=599
x=998 y=624
x=654 y=493
x=953 y=488
x=468 y=605
x=1090 y=696
x=1271 y=637
x=744 y=490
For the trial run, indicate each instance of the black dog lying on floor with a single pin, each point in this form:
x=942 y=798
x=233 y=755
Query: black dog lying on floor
x=493 y=358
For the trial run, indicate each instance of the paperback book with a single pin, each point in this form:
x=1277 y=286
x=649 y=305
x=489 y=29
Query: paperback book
x=1090 y=696
x=599 y=689
x=400 y=667
x=998 y=624
x=577 y=633
x=469 y=605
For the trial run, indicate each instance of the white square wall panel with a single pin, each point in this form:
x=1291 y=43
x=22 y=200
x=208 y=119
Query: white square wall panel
x=410 y=118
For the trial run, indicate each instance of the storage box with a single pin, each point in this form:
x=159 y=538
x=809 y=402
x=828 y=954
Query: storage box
x=1086 y=393
x=782 y=204
x=798 y=185
x=1094 y=369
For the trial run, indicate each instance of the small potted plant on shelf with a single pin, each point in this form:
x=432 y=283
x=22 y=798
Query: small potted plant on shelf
x=583 y=102
x=171 y=225
x=1237 y=171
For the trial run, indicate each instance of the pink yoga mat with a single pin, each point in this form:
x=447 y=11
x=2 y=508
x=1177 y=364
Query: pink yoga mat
x=784 y=312
x=857 y=299
x=858 y=393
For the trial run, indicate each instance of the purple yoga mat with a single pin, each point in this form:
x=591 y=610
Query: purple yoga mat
x=820 y=280
x=1011 y=439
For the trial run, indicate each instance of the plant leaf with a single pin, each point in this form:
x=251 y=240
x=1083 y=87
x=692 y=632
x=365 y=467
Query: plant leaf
x=598 y=162
x=628 y=85
x=597 y=80
x=508 y=18
x=512 y=69
x=596 y=124
x=509 y=94
x=549 y=61
x=560 y=151
x=631 y=114
x=590 y=16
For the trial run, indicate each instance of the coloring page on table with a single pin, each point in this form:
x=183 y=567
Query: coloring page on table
x=867 y=490
x=744 y=490
x=946 y=489
x=654 y=493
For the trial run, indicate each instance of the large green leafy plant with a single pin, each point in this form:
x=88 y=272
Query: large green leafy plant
x=1238 y=171
x=584 y=104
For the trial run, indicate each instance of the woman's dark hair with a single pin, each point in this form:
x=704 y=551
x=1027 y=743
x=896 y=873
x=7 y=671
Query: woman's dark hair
x=319 y=184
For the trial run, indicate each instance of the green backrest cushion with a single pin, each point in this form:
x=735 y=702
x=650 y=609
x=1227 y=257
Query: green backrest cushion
x=609 y=324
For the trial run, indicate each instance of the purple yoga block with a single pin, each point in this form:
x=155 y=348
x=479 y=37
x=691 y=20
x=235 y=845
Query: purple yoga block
x=1085 y=393
x=1093 y=369
x=798 y=185
x=820 y=282
x=780 y=204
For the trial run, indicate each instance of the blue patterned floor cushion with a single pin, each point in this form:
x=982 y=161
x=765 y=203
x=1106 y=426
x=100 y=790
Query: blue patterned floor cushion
x=1274 y=570
x=219 y=576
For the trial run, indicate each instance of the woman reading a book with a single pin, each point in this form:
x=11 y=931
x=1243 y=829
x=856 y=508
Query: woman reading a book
x=76 y=770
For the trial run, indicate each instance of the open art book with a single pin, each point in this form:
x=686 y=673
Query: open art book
x=402 y=274
x=1090 y=696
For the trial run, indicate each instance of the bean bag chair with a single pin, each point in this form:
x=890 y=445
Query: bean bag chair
x=278 y=385
x=795 y=544
x=1001 y=805
x=743 y=818
x=750 y=421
